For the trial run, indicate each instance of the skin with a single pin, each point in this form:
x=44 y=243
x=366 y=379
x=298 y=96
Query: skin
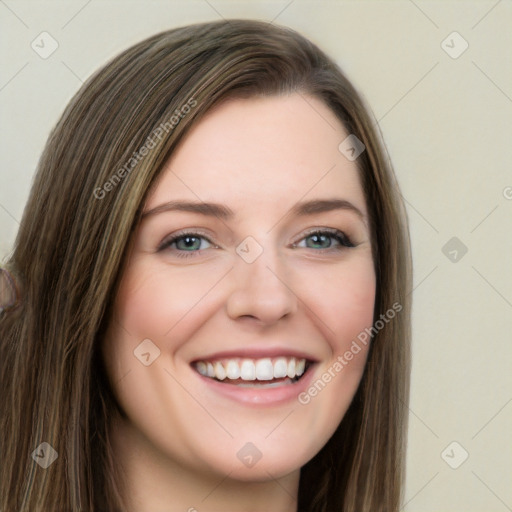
x=179 y=441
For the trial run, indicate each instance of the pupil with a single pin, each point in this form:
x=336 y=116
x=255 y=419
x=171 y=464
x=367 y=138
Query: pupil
x=320 y=239
x=189 y=242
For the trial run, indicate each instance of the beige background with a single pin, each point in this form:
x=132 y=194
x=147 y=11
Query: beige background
x=448 y=125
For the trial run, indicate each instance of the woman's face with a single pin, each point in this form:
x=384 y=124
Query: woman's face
x=252 y=262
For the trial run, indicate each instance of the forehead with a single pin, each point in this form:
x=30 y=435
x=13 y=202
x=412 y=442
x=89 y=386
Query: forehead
x=260 y=152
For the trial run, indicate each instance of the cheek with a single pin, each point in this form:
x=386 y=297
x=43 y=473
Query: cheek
x=344 y=306
x=350 y=315
x=152 y=302
x=355 y=303
x=148 y=306
x=343 y=299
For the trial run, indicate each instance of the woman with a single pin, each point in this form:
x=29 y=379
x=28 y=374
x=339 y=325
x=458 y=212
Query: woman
x=212 y=290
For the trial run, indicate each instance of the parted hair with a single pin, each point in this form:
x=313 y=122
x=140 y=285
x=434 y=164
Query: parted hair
x=85 y=202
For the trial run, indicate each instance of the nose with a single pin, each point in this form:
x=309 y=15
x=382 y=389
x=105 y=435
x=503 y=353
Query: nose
x=261 y=291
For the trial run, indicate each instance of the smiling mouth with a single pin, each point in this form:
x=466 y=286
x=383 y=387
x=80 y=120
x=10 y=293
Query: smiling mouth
x=246 y=372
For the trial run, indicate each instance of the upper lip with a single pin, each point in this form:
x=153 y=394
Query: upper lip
x=257 y=353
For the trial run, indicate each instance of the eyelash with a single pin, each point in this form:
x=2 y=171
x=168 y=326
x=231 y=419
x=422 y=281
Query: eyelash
x=183 y=254
x=339 y=236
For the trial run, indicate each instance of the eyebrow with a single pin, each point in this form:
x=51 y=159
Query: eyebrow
x=223 y=212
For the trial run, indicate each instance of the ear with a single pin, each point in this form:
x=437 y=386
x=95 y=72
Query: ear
x=8 y=291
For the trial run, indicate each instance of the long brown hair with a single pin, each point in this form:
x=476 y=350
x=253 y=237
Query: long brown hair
x=91 y=182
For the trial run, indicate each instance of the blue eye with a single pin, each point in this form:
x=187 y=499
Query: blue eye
x=323 y=239
x=185 y=244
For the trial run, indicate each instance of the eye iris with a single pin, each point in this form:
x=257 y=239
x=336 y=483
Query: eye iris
x=190 y=243
x=323 y=240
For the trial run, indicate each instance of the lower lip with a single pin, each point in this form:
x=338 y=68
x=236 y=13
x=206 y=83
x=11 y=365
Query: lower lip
x=264 y=396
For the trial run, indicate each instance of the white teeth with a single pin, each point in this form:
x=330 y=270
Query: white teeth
x=202 y=368
x=300 y=367
x=280 y=368
x=291 y=368
x=248 y=370
x=220 y=373
x=264 y=369
x=233 y=370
